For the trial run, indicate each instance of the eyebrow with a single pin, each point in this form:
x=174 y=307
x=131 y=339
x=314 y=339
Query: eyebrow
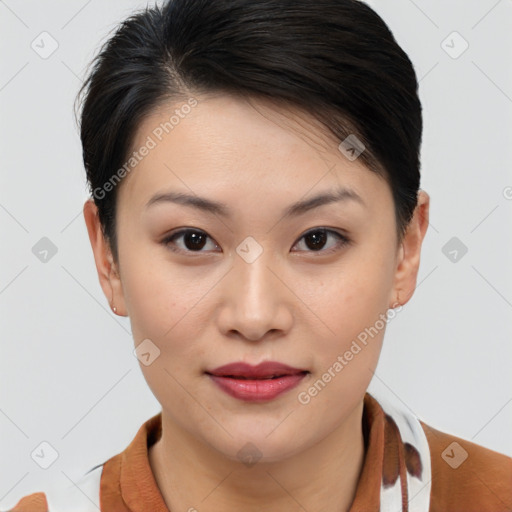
x=341 y=194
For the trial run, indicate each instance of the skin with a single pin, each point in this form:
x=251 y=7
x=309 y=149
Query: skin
x=294 y=304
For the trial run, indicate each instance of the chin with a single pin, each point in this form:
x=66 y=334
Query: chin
x=256 y=446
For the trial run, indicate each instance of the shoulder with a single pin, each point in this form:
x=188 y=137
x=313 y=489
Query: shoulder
x=448 y=473
x=84 y=496
x=467 y=476
x=35 y=502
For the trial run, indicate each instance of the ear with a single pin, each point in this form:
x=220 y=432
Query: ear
x=108 y=273
x=408 y=260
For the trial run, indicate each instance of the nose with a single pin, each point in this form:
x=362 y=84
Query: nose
x=257 y=303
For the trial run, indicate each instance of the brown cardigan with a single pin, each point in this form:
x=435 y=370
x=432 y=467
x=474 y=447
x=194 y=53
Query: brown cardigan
x=463 y=476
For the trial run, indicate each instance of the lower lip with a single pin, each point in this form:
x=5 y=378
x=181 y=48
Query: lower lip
x=260 y=390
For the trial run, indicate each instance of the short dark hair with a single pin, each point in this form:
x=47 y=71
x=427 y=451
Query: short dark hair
x=334 y=59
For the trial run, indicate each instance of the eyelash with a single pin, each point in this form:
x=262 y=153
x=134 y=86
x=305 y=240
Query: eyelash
x=343 y=240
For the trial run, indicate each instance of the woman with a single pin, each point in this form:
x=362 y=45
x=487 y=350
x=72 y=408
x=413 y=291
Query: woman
x=256 y=213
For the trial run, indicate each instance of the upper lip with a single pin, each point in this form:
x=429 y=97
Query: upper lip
x=262 y=370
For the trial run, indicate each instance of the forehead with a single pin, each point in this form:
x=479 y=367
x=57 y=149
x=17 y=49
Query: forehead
x=224 y=141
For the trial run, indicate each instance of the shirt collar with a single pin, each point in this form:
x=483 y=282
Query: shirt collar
x=396 y=466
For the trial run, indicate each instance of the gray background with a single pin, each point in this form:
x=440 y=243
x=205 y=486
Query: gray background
x=68 y=374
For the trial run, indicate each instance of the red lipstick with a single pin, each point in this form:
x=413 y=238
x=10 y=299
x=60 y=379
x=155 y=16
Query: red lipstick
x=256 y=383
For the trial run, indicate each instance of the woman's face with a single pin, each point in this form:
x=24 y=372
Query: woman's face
x=255 y=281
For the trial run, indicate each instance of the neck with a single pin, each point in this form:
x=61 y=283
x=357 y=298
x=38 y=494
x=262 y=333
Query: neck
x=322 y=478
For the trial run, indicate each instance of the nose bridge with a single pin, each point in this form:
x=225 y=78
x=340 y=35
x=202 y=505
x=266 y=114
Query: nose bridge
x=255 y=283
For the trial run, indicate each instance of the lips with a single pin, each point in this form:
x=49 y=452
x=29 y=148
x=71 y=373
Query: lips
x=265 y=370
x=258 y=383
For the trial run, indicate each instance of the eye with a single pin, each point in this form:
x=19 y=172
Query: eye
x=194 y=240
x=316 y=239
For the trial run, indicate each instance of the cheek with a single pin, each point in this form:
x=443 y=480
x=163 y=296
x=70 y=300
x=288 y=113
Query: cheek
x=351 y=306
x=357 y=291
x=164 y=306
x=156 y=294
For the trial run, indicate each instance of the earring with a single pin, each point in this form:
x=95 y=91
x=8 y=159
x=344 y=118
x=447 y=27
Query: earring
x=114 y=309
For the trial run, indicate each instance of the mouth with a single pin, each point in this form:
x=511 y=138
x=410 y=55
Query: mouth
x=258 y=383
x=242 y=377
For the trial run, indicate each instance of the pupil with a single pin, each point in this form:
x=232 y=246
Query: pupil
x=195 y=239
x=318 y=238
